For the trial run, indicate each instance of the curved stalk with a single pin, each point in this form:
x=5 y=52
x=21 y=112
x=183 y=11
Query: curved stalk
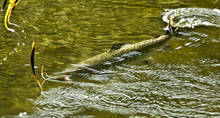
x=11 y=6
x=32 y=65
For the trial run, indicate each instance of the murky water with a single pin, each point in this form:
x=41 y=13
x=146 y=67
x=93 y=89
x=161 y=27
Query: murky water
x=177 y=78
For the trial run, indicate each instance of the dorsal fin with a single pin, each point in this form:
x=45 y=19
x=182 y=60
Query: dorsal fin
x=117 y=46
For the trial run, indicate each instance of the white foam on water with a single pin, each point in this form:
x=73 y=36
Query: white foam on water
x=192 y=17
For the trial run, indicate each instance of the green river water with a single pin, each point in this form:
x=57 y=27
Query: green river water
x=176 y=78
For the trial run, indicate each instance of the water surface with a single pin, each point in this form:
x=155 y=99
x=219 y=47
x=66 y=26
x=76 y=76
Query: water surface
x=176 y=78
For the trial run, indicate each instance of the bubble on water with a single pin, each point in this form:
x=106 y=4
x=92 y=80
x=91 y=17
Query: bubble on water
x=22 y=114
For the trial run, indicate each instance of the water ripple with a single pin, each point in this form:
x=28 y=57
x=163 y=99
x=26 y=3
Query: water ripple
x=191 y=17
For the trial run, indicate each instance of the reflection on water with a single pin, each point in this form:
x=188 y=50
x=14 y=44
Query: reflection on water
x=177 y=78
